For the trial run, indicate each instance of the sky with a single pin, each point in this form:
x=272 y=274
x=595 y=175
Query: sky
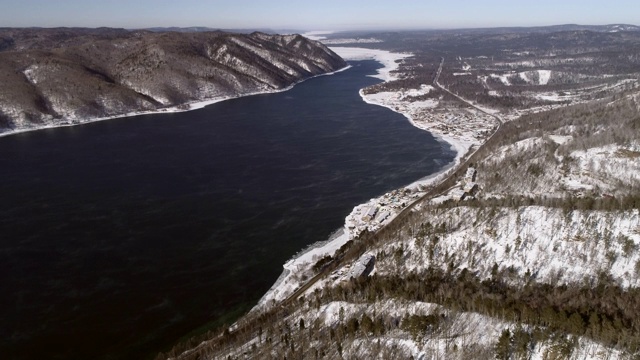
x=315 y=15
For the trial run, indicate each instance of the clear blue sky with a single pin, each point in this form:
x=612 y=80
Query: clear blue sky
x=317 y=14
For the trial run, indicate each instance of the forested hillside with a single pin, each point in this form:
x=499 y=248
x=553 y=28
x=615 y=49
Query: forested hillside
x=67 y=76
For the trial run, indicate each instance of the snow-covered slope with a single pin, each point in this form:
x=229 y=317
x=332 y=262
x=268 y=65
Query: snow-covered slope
x=549 y=244
x=344 y=329
x=71 y=76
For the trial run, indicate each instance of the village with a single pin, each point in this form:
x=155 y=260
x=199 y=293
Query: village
x=377 y=212
x=380 y=211
x=466 y=125
x=462 y=123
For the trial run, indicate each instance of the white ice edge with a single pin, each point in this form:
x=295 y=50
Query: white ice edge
x=386 y=58
x=194 y=105
x=285 y=284
x=317 y=35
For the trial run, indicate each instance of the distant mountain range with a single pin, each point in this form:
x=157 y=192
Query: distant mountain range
x=494 y=31
x=565 y=27
x=73 y=75
x=206 y=29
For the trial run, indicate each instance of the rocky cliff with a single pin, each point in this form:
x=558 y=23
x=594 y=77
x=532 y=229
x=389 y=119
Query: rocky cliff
x=65 y=76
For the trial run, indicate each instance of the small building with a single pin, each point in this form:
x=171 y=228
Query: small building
x=470 y=176
x=370 y=214
x=383 y=216
x=363 y=266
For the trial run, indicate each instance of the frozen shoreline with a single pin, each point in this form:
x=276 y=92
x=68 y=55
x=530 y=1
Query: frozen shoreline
x=289 y=280
x=195 y=105
x=389 y=60
x=386 y=58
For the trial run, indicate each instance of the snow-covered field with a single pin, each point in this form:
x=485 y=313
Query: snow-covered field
x=318 y=34
x=351 y=41
x=535 y=77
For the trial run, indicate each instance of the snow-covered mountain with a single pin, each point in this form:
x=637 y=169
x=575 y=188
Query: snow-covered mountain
x=67 y=76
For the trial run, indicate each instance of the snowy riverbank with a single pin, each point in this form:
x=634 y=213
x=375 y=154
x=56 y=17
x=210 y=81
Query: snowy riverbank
x=461 y=142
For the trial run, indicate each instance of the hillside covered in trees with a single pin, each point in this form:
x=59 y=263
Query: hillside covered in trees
x=66 y=76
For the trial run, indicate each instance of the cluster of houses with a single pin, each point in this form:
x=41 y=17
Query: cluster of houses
x=375 y=213
x=463 y=123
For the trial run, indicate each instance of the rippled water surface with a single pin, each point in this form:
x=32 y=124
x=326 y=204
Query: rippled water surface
x=119 y=237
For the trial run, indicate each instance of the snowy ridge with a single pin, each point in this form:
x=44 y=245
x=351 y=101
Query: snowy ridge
x=266 y=55
x=551 y=245
x=124 y=73
x=601 y=170
x=174 y=109
x=461 y=335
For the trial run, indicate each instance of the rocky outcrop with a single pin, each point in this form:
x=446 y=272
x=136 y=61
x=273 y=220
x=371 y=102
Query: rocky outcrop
x=66 y=76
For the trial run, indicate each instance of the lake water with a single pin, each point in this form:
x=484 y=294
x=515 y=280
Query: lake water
x=119 y=237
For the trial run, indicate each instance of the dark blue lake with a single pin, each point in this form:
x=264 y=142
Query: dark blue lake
x=119 y=237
